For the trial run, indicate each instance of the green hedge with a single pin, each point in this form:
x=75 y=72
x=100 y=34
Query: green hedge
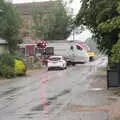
x=10 y=68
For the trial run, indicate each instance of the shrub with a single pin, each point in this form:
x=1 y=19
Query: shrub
x=20 y=67
x=11 y=66
x=6 y=66
x=17 y=58
x=7 y=60
x=6 y=70
x=36 y=65
x=115 y=58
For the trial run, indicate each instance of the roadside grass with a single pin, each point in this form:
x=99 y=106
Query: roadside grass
x=104 y=69
x=3 y=79
x=37 y=65
x=117 y=118
x=116 y=91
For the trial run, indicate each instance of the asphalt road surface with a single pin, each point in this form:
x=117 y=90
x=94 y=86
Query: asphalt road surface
x=55 y=95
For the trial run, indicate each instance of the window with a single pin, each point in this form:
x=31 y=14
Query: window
x=78 y=47
x=71 y=47
x=55 y=58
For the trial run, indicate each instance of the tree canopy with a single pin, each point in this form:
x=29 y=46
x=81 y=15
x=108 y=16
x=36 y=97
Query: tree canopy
x=92 y=44
x=102 y=17
x=51 y=23
x=115 y=57
x=9 y=24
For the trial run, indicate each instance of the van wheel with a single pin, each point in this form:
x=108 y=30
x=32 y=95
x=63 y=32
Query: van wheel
x=91 y=59
x=49 y=69
x=68 y=63
x=65 y=67
x=73 y=64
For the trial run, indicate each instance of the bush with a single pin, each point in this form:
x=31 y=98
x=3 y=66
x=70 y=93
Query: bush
x=17 y=58
x=11 y=66
x=36 y=65
x=115 y=58
x=7 y=60
x=7 y=71
x=20 y=67
x=6 y=66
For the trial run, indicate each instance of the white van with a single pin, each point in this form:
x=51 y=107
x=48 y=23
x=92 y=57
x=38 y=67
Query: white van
x=77 y=55
x=71 y=51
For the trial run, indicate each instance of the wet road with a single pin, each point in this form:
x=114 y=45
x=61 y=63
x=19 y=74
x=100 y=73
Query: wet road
x=54 y=95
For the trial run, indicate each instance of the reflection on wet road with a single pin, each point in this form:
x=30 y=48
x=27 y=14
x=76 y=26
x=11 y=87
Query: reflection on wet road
x=20 y=99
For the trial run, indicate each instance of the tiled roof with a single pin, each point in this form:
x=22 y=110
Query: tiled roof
x=25 y=8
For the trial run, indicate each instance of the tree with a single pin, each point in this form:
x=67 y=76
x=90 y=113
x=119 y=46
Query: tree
x=115 y=57
x=51 y=23
x=9 y=24
x=92 y=44
x=102 y=17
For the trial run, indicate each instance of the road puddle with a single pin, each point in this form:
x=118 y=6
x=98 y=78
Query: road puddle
x=53 y=98
x=10 y=91
x=59 y=95
x=63 y=93
x=27 y=115
x=40 y=107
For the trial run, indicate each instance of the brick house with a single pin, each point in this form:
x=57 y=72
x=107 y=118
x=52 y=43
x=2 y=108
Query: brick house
x=25 y=10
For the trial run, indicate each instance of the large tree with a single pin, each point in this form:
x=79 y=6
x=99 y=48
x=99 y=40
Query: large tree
x=102 y=17
x=9 y=24
x=52 y=23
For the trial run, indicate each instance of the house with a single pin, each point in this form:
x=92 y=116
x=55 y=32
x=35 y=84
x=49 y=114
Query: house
x=3 y=47
x=25 y=10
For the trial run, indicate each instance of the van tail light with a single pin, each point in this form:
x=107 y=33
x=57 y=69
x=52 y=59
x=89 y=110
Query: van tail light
x=49 y=61
x=55 y=61
x=61 y=61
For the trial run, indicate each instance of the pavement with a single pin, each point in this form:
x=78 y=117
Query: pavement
x=77 y=93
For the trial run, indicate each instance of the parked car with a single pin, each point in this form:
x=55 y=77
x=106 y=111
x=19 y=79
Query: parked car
x=56 y=62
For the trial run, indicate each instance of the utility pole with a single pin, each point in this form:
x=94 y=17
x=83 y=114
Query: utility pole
x=74 y=27
x=73 y=34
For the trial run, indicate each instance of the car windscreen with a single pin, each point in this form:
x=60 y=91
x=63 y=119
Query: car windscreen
x=55 y=58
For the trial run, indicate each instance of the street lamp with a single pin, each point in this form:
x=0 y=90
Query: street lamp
x=72 y=27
